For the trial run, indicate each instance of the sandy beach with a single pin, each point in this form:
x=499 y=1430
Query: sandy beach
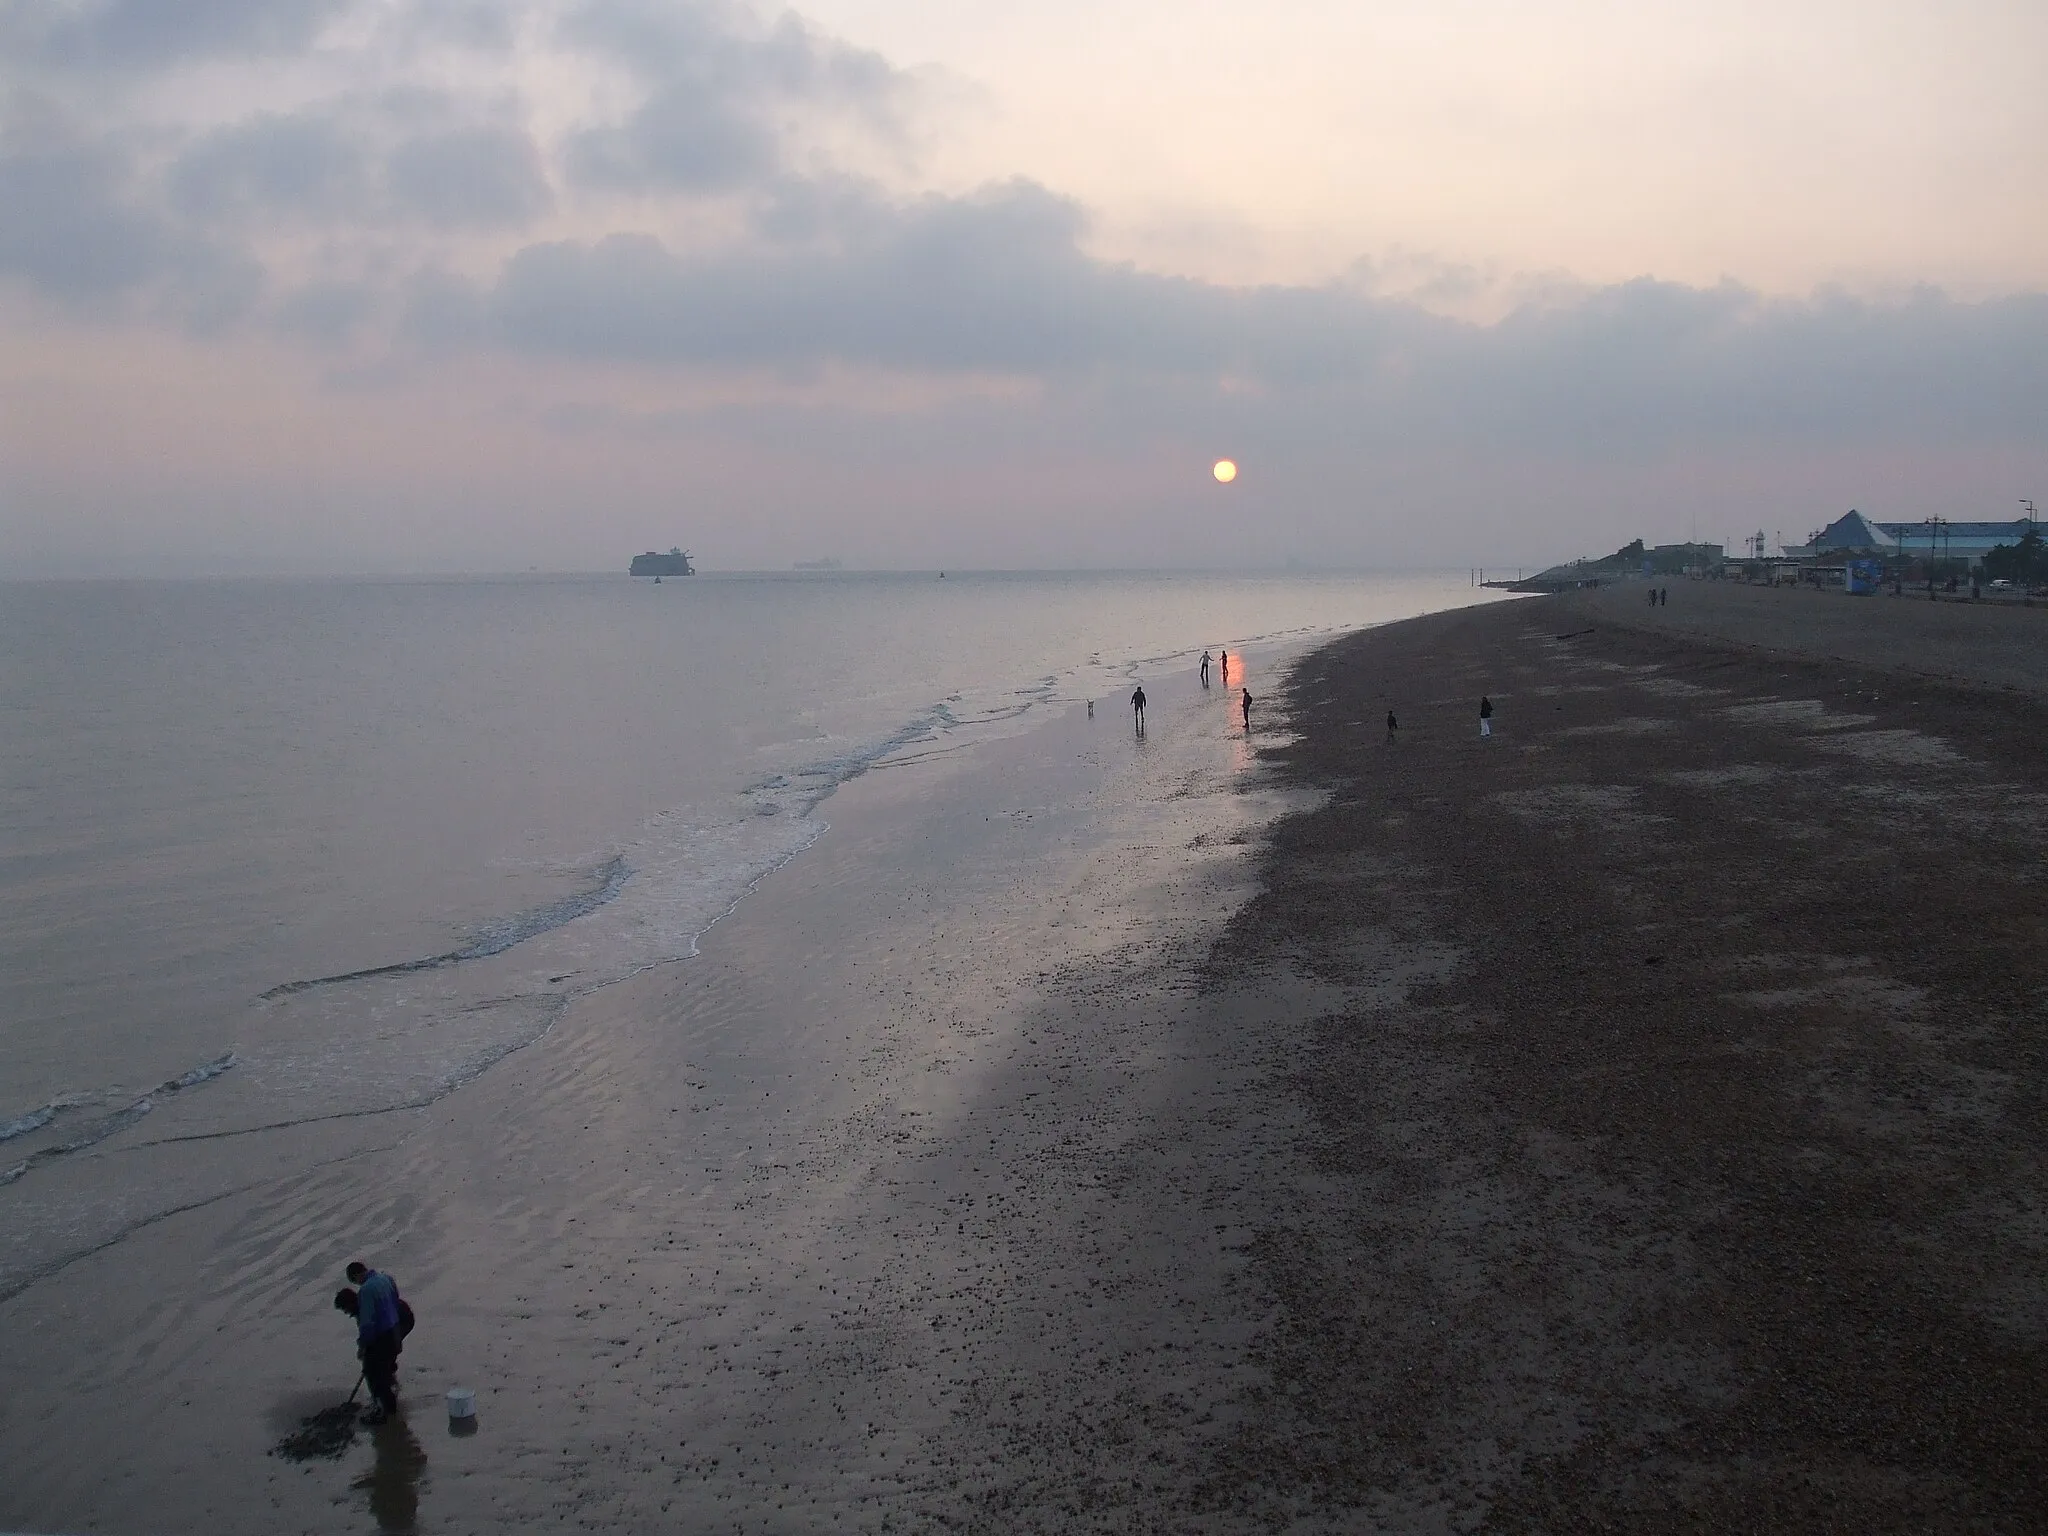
x=1680 y=1152
x=1633 y=1121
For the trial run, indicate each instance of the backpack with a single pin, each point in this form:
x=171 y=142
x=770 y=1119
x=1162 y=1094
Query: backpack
x=405 y=1321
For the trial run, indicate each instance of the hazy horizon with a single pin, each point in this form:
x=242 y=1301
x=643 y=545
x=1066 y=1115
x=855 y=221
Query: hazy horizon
x=794 y=569
x=369 y=286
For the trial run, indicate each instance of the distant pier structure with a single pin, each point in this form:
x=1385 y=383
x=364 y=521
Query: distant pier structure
x=675 y=563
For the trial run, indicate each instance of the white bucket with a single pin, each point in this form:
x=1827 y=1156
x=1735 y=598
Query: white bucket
x=461 y=1402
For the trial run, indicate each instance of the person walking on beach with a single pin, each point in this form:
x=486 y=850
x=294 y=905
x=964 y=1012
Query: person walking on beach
x=377 y=1336
x=1205 y=669
x=1226 y=669
x=1485 y=717
x=1247 y=710
x=1393 y=726
x=1138 y=709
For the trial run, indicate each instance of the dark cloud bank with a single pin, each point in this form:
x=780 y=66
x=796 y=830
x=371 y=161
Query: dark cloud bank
x=148 y=34
x=1000 y=283
x=995 y=283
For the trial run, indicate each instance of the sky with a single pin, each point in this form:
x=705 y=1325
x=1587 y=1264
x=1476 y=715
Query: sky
x=333 y=286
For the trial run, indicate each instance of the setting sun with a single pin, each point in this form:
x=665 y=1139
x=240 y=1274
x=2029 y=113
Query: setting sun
x=1225 y=471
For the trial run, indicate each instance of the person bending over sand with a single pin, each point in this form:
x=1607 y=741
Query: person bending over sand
x=377 y=1336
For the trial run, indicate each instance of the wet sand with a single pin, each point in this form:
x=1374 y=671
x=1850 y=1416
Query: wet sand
x=791 y=1236
x=1634 y=1121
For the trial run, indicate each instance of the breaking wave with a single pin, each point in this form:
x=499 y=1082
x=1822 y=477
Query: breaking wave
x=106 y=1125
x=495 y=938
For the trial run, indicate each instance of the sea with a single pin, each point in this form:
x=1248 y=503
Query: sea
x=280 y=852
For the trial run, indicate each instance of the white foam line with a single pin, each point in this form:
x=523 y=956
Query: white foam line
x=34 y=1120
x=121 y=1119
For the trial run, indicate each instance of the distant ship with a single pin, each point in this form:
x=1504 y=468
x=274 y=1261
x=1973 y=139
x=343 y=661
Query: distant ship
x=675 y=563
x=826 y=564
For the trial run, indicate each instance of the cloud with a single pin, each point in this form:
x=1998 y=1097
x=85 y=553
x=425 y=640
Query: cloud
x=680 y=139
x=66 y=223
x=1000 y=283
x=382 y=139
x=326 y=312
x=717 y=93
x=304 y=162
x=478 y=176
x=363 y=167
x=996 y=281
x=73 y=226
x=1642 y=363
x=142 y=34
x=488 y=26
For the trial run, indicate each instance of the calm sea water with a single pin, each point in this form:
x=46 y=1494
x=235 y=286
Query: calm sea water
x=276 y=843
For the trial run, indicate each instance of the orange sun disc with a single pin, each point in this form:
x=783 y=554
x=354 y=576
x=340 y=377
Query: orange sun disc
x=1225 y=471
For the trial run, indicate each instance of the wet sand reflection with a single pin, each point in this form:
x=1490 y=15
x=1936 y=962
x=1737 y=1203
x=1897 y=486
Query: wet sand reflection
x=393 y=1481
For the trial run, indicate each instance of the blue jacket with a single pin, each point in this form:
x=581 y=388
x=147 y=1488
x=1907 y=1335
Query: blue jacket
x=376 y=1306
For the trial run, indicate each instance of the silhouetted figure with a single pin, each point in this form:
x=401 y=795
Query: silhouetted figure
x=1653 y=597
x=1247 y=709
x=1205 y=669
x=1138 y=709
x=1485 y=716
x=1393 y=727
x=377 y=1336
x=1091 y=709
x=1226 y=669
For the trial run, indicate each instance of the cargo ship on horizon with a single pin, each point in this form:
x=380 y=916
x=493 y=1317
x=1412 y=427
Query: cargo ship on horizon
x=675 y=563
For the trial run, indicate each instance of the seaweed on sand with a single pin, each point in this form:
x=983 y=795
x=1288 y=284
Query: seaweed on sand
x=328 y=1433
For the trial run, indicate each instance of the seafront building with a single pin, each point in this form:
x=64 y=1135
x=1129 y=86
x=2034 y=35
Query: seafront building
x=1855 y=551
x=1934 y=538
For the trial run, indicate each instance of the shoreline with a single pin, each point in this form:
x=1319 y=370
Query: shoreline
x=280 y=928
